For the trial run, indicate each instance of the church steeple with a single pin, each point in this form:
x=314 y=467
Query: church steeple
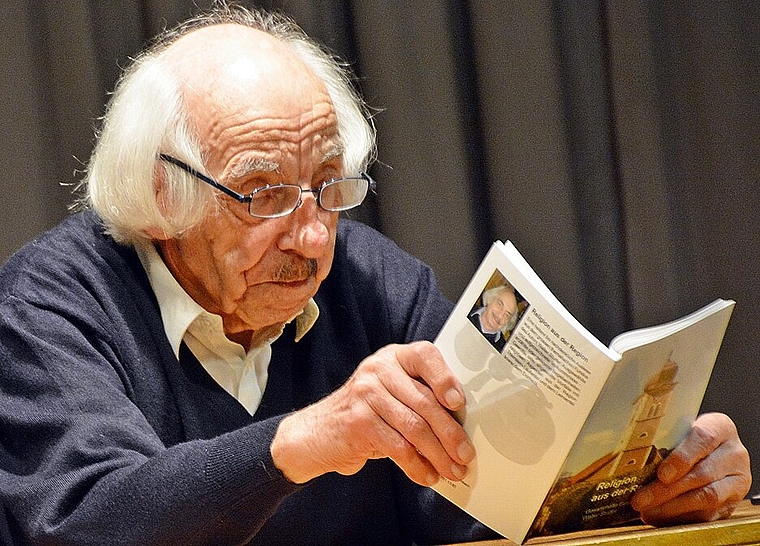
x=636 y=443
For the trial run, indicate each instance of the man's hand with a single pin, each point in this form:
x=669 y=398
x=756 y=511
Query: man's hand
x=397 y=404
x=703 y=479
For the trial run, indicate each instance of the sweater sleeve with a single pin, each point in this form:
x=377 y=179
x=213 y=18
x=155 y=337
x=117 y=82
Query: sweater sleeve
x=80 y=464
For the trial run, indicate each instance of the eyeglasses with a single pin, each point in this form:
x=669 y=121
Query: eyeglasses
x=334 y=195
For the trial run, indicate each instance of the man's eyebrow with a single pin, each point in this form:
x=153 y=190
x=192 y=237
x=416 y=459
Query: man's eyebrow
x=336 y=151
x=249 y=166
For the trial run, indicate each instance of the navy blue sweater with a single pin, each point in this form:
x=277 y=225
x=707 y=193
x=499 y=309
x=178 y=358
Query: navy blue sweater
x=105 y=438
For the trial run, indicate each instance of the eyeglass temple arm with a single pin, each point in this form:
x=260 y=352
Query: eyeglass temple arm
x=370 y=181
x=235 y=195
x=188 y=169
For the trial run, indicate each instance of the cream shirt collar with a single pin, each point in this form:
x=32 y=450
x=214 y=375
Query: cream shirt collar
x=179 y=310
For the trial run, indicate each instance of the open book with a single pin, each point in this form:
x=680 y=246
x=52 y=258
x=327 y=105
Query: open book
x=565 y=428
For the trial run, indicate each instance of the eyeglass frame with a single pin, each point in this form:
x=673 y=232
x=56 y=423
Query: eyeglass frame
x=241 y=198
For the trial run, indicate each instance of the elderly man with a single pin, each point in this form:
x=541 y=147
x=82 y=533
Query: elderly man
x=497 y=315
x=179 y=368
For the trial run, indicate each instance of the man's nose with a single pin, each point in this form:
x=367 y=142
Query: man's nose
x=309 y=232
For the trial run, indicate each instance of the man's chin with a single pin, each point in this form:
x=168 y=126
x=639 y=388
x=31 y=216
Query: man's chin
x=265 y=325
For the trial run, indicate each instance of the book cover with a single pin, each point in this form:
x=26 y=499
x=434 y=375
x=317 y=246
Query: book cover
x=644 y=410
x=541 y=392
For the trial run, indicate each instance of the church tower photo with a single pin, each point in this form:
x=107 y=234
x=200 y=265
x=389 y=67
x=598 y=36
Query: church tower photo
x=636 y=448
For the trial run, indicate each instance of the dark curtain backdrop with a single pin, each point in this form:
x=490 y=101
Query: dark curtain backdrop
x=616 y=143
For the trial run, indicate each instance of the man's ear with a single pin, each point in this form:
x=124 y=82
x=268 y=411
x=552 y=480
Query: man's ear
x=161 y=195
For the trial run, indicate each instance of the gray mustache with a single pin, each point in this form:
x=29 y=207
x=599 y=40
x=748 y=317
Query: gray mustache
x=296 y=270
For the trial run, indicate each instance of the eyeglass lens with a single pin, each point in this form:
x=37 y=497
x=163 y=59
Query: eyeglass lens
x=343 y=194
x=336 y=195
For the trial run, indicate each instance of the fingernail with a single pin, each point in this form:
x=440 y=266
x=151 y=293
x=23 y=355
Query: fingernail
x=459 y=471
x=432 y=479
x=466 y=452
x=454 y=399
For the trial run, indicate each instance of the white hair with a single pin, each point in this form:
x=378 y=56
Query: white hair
x=147 y=116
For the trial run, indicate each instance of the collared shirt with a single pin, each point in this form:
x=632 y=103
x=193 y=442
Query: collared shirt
x=483 y=329
x=243 y=374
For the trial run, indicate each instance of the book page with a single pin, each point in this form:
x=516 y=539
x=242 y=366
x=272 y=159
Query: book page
x=531 y=373
x=641 y=336
x=644 y=410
